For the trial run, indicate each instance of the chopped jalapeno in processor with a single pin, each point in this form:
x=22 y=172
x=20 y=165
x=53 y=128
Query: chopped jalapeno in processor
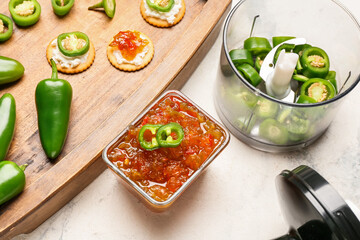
x=176 y=139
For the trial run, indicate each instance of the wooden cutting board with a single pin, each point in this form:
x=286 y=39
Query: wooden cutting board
x=105 y=100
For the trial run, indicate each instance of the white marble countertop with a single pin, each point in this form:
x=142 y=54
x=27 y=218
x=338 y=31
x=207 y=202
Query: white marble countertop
x=235 y=198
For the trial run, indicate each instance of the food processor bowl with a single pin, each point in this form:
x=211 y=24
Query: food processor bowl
x=267 y=123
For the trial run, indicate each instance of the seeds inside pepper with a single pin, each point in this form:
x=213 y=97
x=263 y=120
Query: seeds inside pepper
x=2 y=27
x=62 y=3
x=318 y=91
x=26 y=8
x=72 y=43
x=316 y=61
x=162 y=3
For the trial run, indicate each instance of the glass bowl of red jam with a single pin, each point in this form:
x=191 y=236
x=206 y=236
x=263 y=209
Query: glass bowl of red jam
x=160 y=176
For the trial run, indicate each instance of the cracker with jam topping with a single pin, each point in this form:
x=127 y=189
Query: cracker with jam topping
x=130 y=51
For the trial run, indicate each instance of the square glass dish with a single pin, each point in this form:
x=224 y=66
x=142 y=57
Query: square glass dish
x=158 y=177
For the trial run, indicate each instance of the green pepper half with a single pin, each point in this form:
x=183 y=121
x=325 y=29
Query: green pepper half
x=165 y=138
x=25 y=12
x=12 y=180
x=7 y=123
x=53 y=101
x=73 y=44
x=6 y=28
x=318 y=89
x=149 y=145
x=10 y=70
x=62 y=7
x=257 y=45
x=315 y=62
x=108 y=5
x=161 y=5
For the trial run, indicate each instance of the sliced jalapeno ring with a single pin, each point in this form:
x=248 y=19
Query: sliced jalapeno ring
x=149 y=145
x=318 y=89
x=286 y=46
x=257 y=45
x=6 y=28
x=25 y=12
x=280 y=39
x=161 y=5
x=331 y=77
x=273 y=131
x=62 y=7
x=170 y=135
x=251 y=75
x=240 y=56
x=315 y=62
x=259 y=61
x=73 y=44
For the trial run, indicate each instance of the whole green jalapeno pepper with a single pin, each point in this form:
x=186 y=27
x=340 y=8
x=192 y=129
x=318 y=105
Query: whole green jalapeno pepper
x=170 y=135
x=108 y=5
x=315 y=62
x=149 y=145
x=12 y=180
x=161 y=5
x=7 y=123
x=75 y=44
x=62 y=7
x=25 y=12
x=318 y=89
x=10 y=70
x=257 y=45
x=53 y=101
x=6 y=28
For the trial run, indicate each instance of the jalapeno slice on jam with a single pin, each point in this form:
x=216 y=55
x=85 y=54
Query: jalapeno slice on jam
x=6 y=28
x=257 y=45
x=73 y=44
x=149 y=145
x=280 y=39
x=62 y=7
x=170 y=135
x=161 y=5
x=315 y=62
x=25 y=12
x=250 y=74
x=240 y=56
x=318 y=89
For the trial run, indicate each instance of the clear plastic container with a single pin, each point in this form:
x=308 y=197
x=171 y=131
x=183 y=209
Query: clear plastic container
x=267 y=123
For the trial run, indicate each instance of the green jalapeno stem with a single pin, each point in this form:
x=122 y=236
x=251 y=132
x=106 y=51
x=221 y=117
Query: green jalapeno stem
x=109 y=7
x=160 y=8
x=8 y=28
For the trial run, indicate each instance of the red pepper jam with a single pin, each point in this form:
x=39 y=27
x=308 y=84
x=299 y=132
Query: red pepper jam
x=129 y=43
x=163 y=171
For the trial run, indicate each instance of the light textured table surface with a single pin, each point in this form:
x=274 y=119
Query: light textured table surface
x=234 y=199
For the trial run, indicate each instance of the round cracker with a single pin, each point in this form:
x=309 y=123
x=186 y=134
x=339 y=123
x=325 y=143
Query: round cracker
x=128 y=67
x=80 y=68
x=157 y=22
